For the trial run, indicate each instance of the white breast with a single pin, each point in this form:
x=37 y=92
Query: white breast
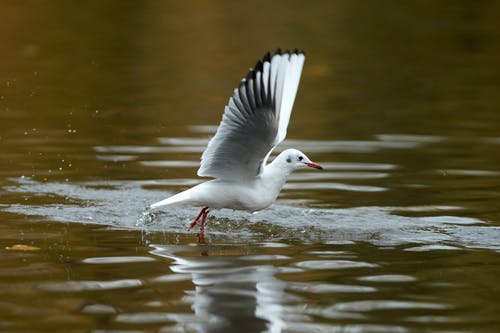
x=251 y=196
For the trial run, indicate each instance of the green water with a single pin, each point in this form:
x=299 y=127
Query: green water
x=106 y=106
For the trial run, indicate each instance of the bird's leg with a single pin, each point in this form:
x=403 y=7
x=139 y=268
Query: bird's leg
x=193 y=224
x=200 y=236
x=203 y=219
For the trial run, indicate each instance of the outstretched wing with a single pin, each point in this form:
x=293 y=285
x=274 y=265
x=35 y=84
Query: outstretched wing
x=255 y=119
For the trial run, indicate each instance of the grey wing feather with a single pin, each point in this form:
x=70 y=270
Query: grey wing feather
x=255 y=119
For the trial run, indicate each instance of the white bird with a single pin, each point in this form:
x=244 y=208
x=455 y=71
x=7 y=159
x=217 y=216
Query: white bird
x=254 y=122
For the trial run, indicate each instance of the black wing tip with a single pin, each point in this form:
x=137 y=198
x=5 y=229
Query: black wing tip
x=267 y=57
x=258 y=66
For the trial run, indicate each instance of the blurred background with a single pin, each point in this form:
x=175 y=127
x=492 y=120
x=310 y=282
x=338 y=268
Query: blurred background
x=120 y=72
x=106 y=106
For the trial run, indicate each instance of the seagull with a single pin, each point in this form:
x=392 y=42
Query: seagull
x=254 y=122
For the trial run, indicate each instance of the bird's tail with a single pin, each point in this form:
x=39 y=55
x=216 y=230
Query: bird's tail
x=175 y=199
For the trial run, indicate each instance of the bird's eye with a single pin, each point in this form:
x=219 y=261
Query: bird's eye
x=301 y=158
x=288 y=160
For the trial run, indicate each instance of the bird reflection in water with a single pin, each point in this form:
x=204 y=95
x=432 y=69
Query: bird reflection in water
x=231 y=293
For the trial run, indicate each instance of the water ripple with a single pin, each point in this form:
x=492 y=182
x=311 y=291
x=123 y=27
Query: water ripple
x=357 y=166
x=148 y=149
x=352 y=146
x=184 y=141
x=117 y=158
x=173 y=277
x=337 y=175
x=347 y=328
x=206 y=129
x=72 y=286
x=124 y=204
x=376 y=305
x=333 y=264
x=265 y=257
x=410 y=138
x=323 y=288
x=433 y=247
x=389 y=278
x=171 y=164
x=153 y=318
x=99 y=309
x=452 y=220
x=117 y=260
x=333 y=186
x=478 y=173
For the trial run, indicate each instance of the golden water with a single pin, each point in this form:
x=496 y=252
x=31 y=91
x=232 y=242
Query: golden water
x=105 y=107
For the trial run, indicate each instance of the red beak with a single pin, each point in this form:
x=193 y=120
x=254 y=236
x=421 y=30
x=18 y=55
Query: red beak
x=314 y=165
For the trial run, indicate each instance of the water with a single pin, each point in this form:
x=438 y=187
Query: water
x=106 y=108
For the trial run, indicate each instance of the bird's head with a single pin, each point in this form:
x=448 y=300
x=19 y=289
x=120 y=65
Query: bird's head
x=295 y=159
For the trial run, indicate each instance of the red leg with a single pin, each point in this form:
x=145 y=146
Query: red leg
x=193 y=224
x=203 y=219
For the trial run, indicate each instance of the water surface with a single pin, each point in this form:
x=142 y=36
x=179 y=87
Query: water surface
x=106 y=107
